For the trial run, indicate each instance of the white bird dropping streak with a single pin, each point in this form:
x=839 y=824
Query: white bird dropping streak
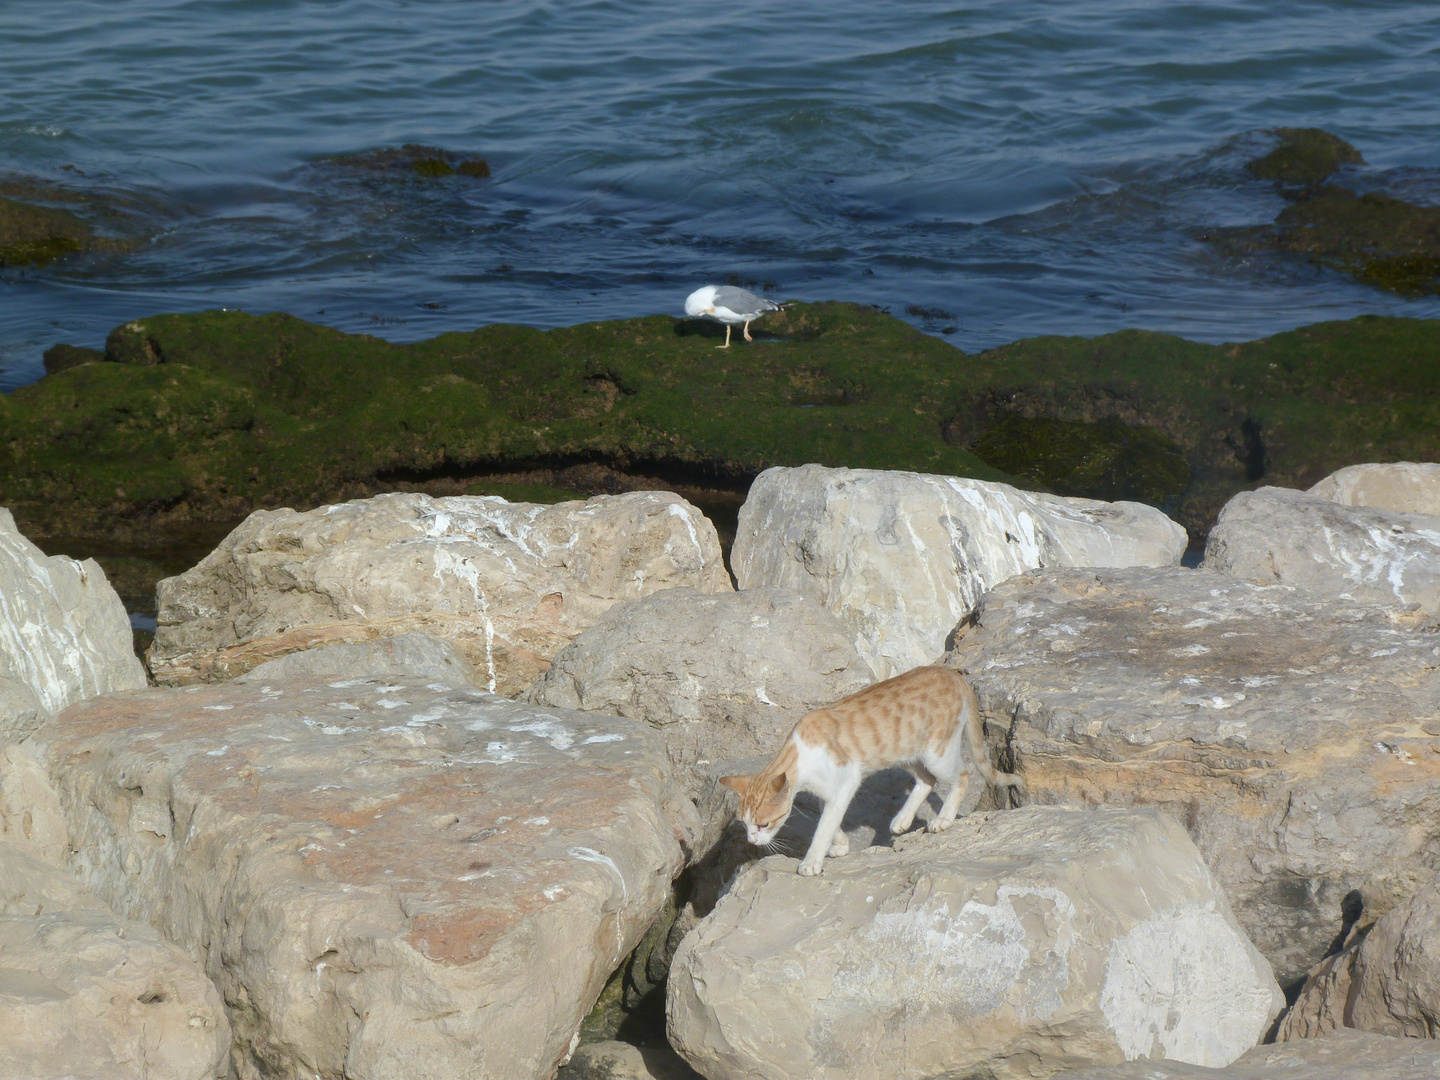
x=729 y=305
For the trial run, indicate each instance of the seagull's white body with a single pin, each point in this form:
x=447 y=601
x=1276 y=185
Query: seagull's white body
x=729 y=305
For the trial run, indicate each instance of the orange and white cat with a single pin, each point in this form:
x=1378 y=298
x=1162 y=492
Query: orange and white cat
x=926 y=720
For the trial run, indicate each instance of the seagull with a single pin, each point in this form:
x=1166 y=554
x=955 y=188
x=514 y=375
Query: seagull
x=729 y=305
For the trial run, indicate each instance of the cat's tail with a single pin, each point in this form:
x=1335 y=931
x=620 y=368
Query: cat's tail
x=979 y=752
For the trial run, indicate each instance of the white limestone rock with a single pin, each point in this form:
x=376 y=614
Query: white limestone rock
x=1405 y=487
x=1297 y=737
x=386 y=880
x=88 y=996
x=413 y=655
x=1013 y=945
x=902 y=557
x=508 y=584
x=1355 y=553
x=64 y=634
x=1344 y=1055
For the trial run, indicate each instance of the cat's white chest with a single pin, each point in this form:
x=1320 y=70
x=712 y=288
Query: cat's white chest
x=818 y=772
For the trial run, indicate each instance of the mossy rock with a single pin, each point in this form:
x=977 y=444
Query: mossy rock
x=1106 y=459
x=1305 y=157
x=1379 y=240
x=412 y=159
x=38 y=235
x=203 y=418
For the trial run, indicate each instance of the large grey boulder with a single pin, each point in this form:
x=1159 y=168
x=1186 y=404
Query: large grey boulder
x=1295 y=736
x=719 y=677
x=85 y=995
x=509 y=584
x=64 y=634
x=1014 y=944
x=387 y=881
x=1406 y=487
x=1345 y=1055
x=902 y=557
x=1360 y=554
x=1387 y=982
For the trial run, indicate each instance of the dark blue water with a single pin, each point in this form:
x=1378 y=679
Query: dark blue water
x=995 y=169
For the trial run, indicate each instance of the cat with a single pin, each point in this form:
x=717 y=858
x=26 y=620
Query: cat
x=927 y=720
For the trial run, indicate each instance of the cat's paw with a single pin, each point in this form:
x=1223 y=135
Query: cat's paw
x=809 y=869
x=939 y=825
x=840 y=846
x=900 y=824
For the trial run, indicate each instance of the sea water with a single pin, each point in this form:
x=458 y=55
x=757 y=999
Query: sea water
x=988 y=170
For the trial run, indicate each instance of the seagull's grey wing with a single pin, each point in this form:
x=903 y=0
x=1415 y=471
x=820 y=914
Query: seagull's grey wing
x=743 y=301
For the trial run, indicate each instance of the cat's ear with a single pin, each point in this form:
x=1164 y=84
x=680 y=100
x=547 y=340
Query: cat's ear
x=777 y=785
x=736 y=783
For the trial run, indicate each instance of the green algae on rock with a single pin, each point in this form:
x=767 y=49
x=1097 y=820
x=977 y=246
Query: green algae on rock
x=1377 y=239
x=428 y=162
x=1305 y=157
x=203 y=418
x=38 y=235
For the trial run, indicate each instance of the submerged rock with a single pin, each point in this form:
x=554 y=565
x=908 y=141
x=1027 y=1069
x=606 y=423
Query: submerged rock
x=64 y=634
x=85 y=995
x=1297 y=737
x=1304 y=157
x=38 y=235
x=508 y=584
x=1361 y=554
x=385 y=880
x=1015 y=944
x=902 y=557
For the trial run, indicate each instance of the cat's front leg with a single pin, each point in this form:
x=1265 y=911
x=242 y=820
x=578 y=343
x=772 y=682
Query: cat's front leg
x=827 y=829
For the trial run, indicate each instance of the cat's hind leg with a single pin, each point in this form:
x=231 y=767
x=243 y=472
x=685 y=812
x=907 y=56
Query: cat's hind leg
x=924 y=784
x=951 y=804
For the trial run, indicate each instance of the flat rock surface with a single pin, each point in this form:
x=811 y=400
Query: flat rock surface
x=1407 y=487
x=1358 y=553
x=414 y=655
x=85 y=995
x=1297 y=738
x=901 y=557
x=64 y=634
x=388 y=880
x=1015 y=944
x=717 y=676
x=1345 y=1055
x=509 y=584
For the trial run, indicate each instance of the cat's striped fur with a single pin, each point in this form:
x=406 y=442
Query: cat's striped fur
x=926 y=720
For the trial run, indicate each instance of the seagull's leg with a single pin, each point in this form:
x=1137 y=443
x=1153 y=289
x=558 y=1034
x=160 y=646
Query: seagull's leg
x=747 y=331
x=727 y=338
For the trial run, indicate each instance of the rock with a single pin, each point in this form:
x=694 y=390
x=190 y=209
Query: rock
x=63 y=357
x=508 y=584
x=719 y=677
x=87 y=996
x=1367 y=555
x=64 y=634
x=902 y=557
x=1014 y=944
x=30 y=813
x=1295 y=736
x=1406 y=487
x=37 y=235
x=385 y=880
x=1345 y=1055
x=415 y=656
x=1387 y=982
x=621 y=1061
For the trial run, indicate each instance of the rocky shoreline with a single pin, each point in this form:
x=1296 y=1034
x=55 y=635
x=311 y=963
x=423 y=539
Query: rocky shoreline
x=427 y=789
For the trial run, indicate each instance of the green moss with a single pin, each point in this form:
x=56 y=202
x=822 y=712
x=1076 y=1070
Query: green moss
x=430 y=162
x=37 y=235
x=432 y=167
x=205 y=417
x=531 y=493
x=1304 y=157
x=1105 y=459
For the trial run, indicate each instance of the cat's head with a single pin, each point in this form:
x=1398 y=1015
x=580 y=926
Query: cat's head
x=765 y=803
